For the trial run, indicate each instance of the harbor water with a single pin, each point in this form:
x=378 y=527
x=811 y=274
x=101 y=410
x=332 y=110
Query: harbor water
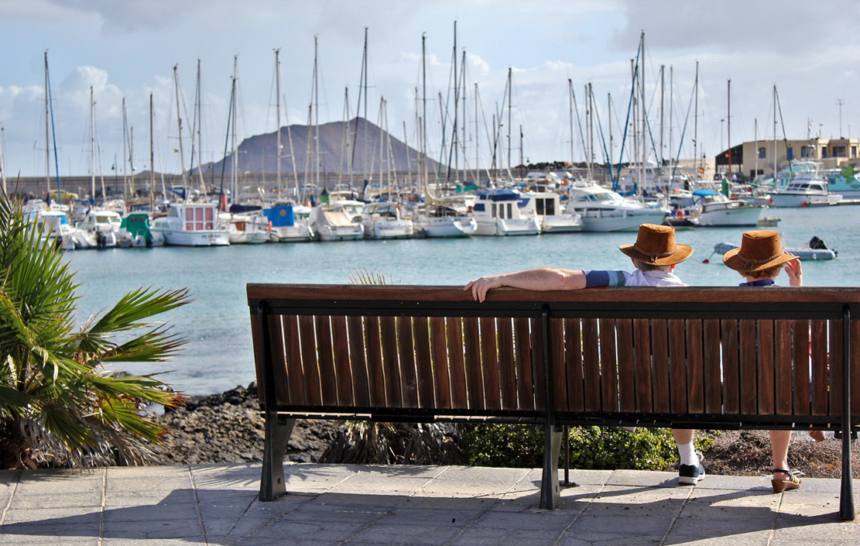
x=216 y=324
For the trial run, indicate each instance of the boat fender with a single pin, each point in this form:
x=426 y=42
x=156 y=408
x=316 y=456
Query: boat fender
x=679 y=213
x=270 y=226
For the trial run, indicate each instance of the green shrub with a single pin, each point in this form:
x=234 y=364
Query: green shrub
x=601 y=448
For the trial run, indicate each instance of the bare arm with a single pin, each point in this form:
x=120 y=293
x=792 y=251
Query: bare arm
x=542 y=279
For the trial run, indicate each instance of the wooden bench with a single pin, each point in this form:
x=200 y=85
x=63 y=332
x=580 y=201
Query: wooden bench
x=706 y=358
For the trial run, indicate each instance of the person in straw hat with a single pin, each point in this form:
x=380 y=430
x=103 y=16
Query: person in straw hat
x=655 y=255
x=759 y=260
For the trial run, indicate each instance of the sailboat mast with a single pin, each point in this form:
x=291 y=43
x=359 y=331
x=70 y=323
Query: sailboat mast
x=151 y=161
x=774 y=134
x=124 y=148
x=696 y=126
x=198 y=122
x=131 y=161
x=570 y=109
x=609 y=122
x=93 y=148
x=316 y=120
x=179 y=125
x=234 y=151
x=278 y=115
x=424 y=114
x=510 y=94
x=729 y=131
x=662 y=108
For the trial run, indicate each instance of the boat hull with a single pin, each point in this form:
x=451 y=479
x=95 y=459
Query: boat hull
x=196 y=238
x=451 y=227
x=731 y=214
x=508 y=227
x=619 y=220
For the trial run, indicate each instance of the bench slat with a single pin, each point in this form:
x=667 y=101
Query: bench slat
x=660 y=362
x=406 y=353
x=375 y=371
x=820 y=364
x=474 y=376
x=507 y=368
x=310 y=366
x=424 y=363
x=855 y=368
x=490 y=363
x=537 y=363
x=279 y=362
x=459 y=398
x=591 y=364
x=678 y=366
x=642 y=351
x=731 y=366
x=836 y=366
x=557 y=364
x=345 y=381
x=748 y=382
x=783 y=374
x=800 y=335
x=358 y=361
x=711 y=366
x=610 y=366
x=766 y=386
x=524 y=364
x=573 y=364
x=391 y=362
x=695 y=367
x=618 y=389
x=441 y=367
x=328 y=377
x=295 y=370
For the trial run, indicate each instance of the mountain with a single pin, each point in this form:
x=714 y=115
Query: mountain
x=356 y=142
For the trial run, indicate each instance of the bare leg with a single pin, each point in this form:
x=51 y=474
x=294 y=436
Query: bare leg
x=683 y=435
x=779 y=440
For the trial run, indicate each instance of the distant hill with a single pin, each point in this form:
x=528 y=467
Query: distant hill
x=341 y=144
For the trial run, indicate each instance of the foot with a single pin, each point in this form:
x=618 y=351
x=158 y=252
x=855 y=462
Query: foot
x=691 y=474
x=784 y=480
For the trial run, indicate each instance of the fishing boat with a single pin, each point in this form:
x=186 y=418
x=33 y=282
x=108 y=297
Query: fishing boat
x=289 y=223
x=191 y=224
x=601 y=209
x=135 y=232
x=497 y=213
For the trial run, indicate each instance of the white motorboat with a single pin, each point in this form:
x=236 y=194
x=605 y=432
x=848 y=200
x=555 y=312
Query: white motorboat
x=804 y=252
x=191 y=224
x=551 y=217
x=709 y=208
x=601 y=209
x=98 y=229
x=55 y=226
x=444 y=221
x=497 y=213
x=332 y=223
x=804 y=191
x=382 y=220
x=289 y=223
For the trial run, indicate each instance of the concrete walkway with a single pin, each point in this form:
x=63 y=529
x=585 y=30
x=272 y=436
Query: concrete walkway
x=373 y=505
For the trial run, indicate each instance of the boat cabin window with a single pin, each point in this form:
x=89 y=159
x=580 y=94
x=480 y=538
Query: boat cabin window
x=199 y=218
x=545 y=207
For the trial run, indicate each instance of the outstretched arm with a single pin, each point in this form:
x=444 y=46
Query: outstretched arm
x=544 y=278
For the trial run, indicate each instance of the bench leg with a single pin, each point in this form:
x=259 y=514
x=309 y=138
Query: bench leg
x=550 y=497
x=846 y=494
x=272 y=483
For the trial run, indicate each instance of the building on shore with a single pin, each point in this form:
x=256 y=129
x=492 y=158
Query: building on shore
x=753 y=158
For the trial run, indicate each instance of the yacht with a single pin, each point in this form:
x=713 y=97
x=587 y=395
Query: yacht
x=601 y=209
x=135 y=232
x=98 y=229
x=551 y=217
x=55 y=225
x=709 y=208
x=245 y=228
x=497 y=213
x=382 y=220
x=191 y=224
x=845 y=181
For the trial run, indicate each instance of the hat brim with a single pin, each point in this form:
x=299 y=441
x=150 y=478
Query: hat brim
x=681 y=253
x=733 y=260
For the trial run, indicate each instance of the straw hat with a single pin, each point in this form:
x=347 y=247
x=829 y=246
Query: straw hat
x=759 y=250
x=655 y=245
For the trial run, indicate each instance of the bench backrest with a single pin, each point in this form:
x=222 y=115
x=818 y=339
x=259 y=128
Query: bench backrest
x=704 y=356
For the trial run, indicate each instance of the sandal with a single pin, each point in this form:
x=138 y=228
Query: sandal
x=817 y=435
x=792 y=483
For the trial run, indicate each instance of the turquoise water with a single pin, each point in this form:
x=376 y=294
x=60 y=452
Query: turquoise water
x=217 y=327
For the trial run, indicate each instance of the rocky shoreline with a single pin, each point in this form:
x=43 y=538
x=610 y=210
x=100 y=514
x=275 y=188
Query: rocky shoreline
x=228 y=428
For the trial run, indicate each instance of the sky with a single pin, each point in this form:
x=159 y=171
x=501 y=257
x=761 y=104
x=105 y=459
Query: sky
x=128 y=50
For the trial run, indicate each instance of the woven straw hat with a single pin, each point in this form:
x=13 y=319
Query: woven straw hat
x=759 y=250
x=655 y=245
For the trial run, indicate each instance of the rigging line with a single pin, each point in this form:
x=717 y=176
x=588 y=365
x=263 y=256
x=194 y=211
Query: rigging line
x=615 y=178
x=578 y=120
x=227 y=137
x=602 y=137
